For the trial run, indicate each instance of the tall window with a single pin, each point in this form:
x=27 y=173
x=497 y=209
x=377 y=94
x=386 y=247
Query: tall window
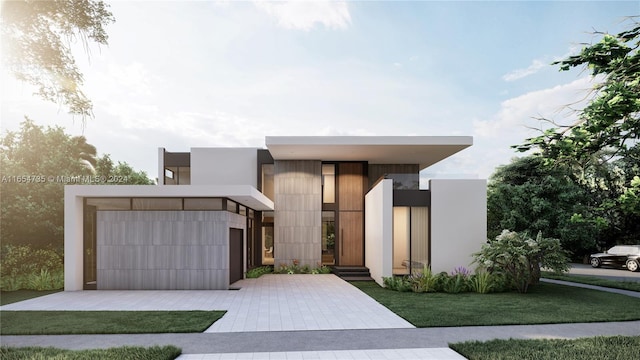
x=328 y=183
x=328 y=237
x=267 y=181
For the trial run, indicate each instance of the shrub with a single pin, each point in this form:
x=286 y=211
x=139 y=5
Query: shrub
x=397 y=283
x=259 y=271
x=482 y=281
x=423 y=281
x=519 y=258
x=457 y=282
x=26 y=268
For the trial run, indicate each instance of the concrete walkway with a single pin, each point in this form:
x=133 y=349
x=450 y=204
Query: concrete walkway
x=593 y=287
x=279 y=302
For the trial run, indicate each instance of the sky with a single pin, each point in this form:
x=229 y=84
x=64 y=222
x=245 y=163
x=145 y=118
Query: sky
x=182 y=74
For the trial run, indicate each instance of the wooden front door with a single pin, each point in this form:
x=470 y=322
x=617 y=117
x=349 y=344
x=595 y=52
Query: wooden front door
x=351 y=238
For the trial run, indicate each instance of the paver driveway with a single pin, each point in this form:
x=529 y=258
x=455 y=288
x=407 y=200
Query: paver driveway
x=269 y=303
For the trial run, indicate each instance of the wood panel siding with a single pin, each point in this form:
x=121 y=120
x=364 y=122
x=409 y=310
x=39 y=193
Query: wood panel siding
x=351 y=186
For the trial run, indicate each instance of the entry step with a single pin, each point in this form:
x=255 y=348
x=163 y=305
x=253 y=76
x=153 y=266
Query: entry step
x=352 y=273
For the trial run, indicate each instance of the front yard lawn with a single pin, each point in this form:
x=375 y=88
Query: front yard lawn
x=596 y=348
x=121 y=353
x=544 y=304
x=105 y=322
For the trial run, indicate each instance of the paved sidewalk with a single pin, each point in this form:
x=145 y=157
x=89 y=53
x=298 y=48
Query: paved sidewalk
x=294 y=341
x=593 y=287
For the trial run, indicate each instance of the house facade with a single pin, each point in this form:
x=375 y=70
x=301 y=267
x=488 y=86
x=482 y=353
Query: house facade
x=216 y=212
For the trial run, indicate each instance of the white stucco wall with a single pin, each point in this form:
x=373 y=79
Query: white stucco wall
x=379 y=230
x=458 y=222
x=224 y=166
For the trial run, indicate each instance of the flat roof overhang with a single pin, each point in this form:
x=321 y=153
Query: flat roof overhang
x=245 y=195
x=422 y=150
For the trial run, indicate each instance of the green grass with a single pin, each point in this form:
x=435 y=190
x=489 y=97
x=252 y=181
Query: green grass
x=105 y=322
x=596 y=348
x=120 y=353
x=544 y=304
x=591 y=280
x=8 y=297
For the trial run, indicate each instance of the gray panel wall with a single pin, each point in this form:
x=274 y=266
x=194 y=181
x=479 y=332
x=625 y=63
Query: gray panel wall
x=298 y=212
x=164 y=250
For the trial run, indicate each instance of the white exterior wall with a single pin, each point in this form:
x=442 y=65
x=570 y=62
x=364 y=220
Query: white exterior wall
x=379 y=230
x=73 y=213
x=73 y=241
x=458 y=222
x=224 y=166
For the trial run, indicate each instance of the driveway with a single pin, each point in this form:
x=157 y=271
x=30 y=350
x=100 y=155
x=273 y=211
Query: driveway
x=605 y=273
x=268 y=303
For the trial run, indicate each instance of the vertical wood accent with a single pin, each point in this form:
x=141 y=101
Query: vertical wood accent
x=351 y=186
x=352 y=238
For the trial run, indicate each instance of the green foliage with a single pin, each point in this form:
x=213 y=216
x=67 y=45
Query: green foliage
x=397 y=283
x=423 y=281
x=26 y=268
x=36 y=41
x=36 y=163
x=259 y=271
x=46 y=280
x=596 y=348
x=124 y=353
x=529 y=196
x=295 y=268
x=519 y=258
x=611 y=119
x=122 y=173
x=459 y=281
x=482 y=282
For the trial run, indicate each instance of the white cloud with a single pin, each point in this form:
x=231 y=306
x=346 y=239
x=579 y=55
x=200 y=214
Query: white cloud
x=536 y=65
x=517 y=113
x=304 y=15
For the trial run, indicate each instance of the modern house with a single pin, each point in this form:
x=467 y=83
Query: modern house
x=340 y=201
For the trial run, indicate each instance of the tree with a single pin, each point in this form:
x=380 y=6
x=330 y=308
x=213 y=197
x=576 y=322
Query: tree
x=36 y=163
x=36 y=39
x=611 y=120
x=122 y=172
x=529 y=196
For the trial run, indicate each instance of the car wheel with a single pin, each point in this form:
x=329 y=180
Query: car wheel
x=632 y=265
x=595 y=262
